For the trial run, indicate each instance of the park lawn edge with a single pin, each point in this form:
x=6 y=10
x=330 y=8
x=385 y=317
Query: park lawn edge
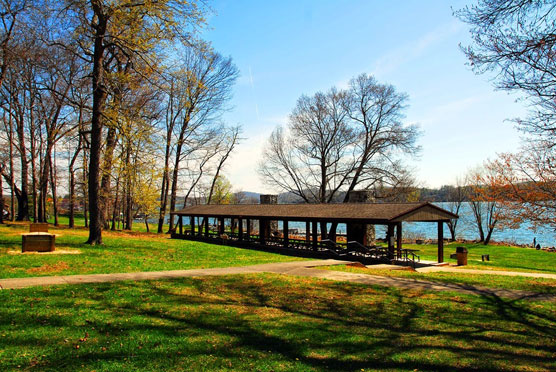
x=531 y=284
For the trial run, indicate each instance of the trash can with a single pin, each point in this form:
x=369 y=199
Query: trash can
x=461 y=253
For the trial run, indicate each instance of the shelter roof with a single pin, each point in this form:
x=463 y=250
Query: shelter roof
x=344 y=212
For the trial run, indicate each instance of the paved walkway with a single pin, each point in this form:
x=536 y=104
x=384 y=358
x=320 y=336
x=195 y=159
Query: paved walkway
x=297 y=268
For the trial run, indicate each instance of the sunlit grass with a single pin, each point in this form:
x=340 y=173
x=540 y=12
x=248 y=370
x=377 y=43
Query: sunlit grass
x=269 y=323
x=502 y=257
x=121 y=252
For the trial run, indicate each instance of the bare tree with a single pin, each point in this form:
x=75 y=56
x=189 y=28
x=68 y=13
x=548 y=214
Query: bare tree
x=10 y=13
x=2 y=167
x=488 y=209
x=227 y=145
x=201 y=91
x=339 y=141
x=457 y=195
x=525 y=184
x=516 y=39
x=310 y=158
x=342 y=140
x=484 y=214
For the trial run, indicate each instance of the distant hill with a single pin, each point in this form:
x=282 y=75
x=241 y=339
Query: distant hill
x=441 y=194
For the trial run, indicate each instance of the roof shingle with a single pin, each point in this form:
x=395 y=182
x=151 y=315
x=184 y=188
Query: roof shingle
x=371 y=212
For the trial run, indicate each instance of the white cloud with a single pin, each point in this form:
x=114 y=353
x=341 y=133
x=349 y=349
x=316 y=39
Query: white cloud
x=242 y=165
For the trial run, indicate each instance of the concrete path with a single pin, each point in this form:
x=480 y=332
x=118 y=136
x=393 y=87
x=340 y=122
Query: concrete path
x=279 y=268
x=296 y=268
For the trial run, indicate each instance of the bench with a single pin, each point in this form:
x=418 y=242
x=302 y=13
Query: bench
x=38 y=242
x=40 y=227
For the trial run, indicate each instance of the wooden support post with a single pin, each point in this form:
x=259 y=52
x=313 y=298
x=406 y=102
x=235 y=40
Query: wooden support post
x=440 y=241
x=240 y=229
x=315 y=235
x=308 y=231
x=399 y=239
x=192 y=223
x=206 y=227
x=390 y=238
x=286 y=234
x=221 y=226
x=200 y=224
x=262 y=231
x=180 y=222
x=332 y=234
x=248 y=228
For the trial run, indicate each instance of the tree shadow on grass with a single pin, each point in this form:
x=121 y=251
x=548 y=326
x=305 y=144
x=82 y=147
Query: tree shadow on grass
x=275 y=322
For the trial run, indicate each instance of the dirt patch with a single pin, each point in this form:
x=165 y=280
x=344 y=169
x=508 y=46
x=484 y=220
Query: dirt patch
x=356 y=264
x=133 y=234
x=47 y=268
x=57 y=251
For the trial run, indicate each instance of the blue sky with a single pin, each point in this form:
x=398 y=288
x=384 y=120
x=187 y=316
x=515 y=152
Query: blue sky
x=288 y=48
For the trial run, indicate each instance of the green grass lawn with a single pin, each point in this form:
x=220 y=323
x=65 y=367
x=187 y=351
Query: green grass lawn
x=540 y=285
x=79 y=221
x=501 y=257
x=269 y=323
x=262 y=322
x=121 y=252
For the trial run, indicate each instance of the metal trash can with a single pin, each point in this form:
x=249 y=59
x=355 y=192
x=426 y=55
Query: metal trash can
x=461 y=253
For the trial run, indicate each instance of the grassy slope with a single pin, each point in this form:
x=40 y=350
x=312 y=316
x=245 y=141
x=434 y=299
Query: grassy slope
x=121 y=252
x=269 y=323
x=501 y=257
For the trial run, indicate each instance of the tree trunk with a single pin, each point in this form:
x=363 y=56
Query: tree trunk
x=128 y=212
x=53 y=188
x=173 y=193
x=12 y=182
x=99 y=101
x=22 y=199
x=1 y=195
x=115 y=207
x=490 y=229
x=106 y=173
x=452 y=228
x=163 y=200
x=481 y=231
x=44 y=177
x=37 y=202
x=128 y=197
x=85 y=175
x=71 y=197
x=165 y=182
x=323 y=230
x=489 y=235
x=478 y=215
x=72 y=184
